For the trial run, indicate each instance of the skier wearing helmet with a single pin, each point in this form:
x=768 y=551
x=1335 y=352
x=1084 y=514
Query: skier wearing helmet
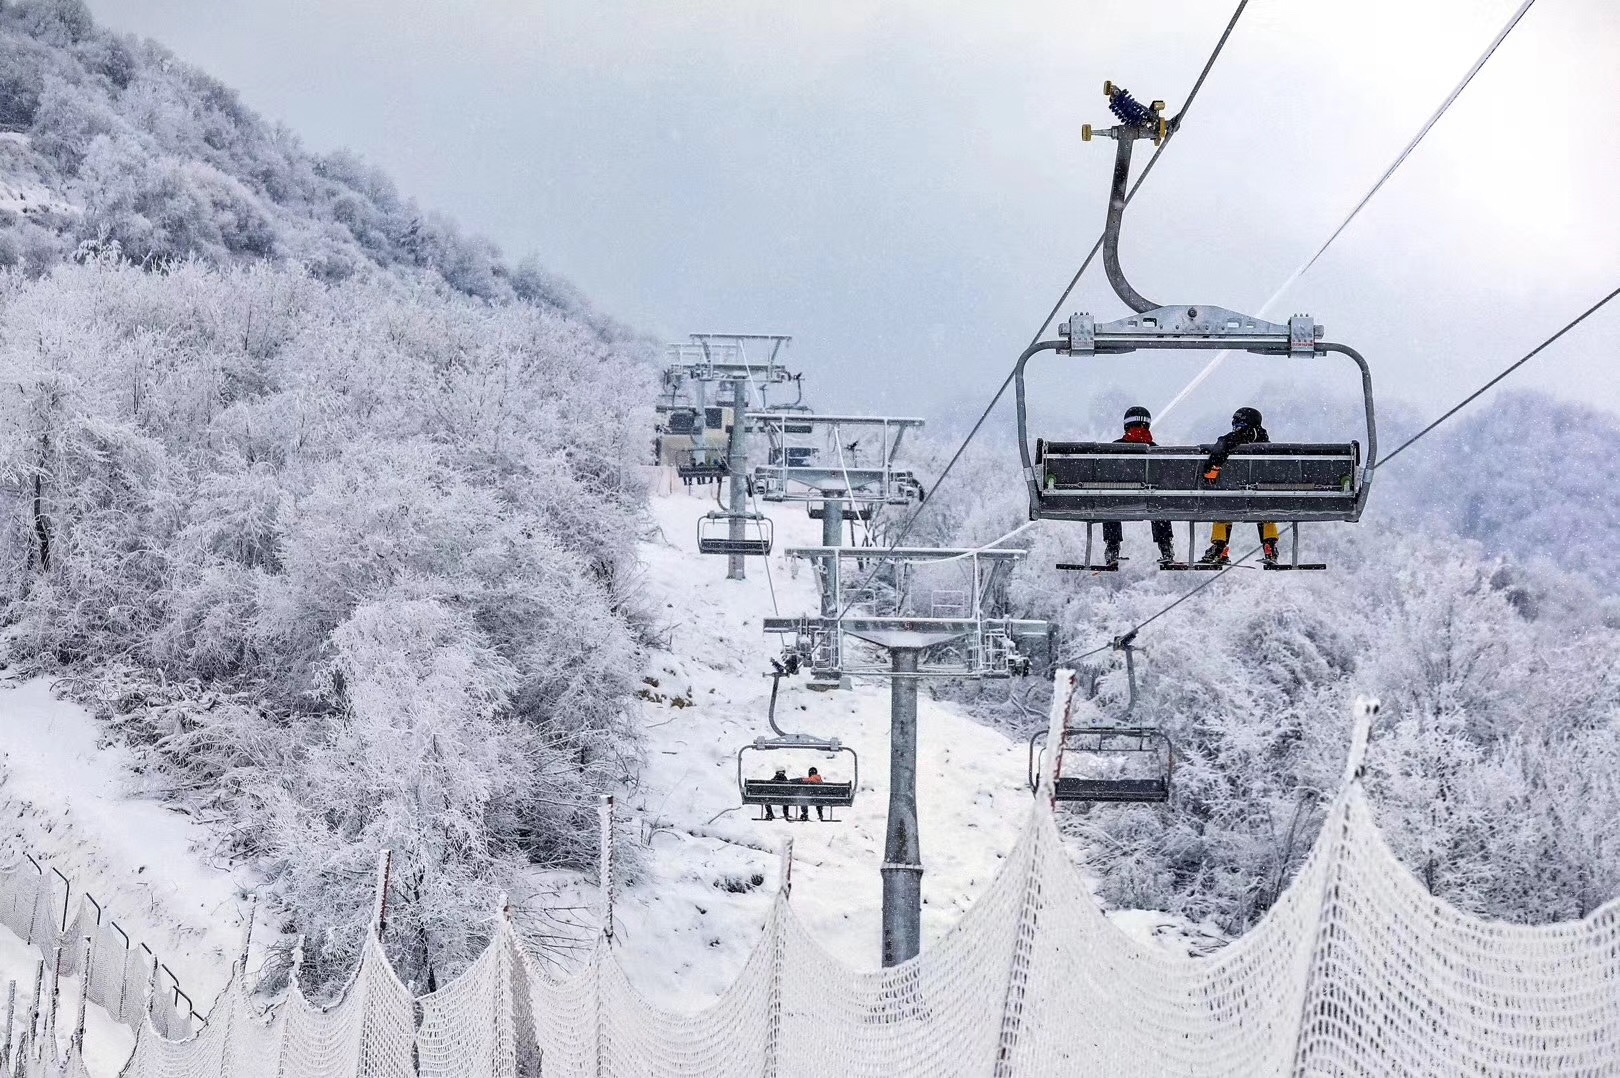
x=1246 y=429
x=1138 y=429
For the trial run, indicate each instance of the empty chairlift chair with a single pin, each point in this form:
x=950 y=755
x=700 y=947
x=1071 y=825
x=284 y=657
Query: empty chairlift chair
x=714 y=534
x=1112 y=761
x=1144 y=757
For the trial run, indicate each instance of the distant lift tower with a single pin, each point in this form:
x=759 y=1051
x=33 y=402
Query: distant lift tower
x=842 y=465
x=935 y=613
x=750 y=364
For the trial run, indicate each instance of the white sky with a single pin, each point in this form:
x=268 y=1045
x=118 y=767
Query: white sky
x=901 y=185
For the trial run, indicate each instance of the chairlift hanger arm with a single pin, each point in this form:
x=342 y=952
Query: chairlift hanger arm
x=1137 y=121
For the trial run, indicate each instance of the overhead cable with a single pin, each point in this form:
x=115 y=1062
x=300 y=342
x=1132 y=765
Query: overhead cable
x=1400 y=158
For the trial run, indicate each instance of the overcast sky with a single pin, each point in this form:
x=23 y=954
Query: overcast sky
x=901 y=186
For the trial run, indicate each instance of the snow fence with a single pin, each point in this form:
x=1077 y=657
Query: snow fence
x=1356 y=970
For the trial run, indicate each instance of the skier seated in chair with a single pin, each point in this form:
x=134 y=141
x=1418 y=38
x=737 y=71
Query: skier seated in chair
x=780 y=776
x=814 y=778
x=1138 y=429
x=1246 y=430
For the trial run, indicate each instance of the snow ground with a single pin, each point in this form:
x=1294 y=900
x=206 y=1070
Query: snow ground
x=686 y=929
x=69 y=798
x=21 y=191
x=107 y=1043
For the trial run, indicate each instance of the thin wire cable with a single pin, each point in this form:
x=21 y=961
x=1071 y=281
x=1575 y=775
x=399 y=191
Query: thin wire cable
x=1528 y=356
x=1265 y=311
x=1175 y=127
x=1423 y=131
x=1387 y=457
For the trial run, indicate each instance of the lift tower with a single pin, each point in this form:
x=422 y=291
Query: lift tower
x=924 y=630
x=841 y=466
x=749 y=364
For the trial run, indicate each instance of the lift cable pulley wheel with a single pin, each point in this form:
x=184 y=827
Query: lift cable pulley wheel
x=1270 y=482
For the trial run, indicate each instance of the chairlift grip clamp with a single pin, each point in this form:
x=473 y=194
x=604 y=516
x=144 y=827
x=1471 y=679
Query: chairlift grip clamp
x=1081 y=333
x=1303 y=333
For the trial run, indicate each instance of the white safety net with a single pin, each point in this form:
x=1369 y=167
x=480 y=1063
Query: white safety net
x=1356 y=970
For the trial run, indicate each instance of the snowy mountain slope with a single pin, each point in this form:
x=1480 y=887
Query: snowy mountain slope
x=24 y=191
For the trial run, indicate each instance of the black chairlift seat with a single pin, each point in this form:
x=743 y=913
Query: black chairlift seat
x=1143 y=742
x=798 y=792
x=818 y=511
x=714 y=534
x=770 y=791
x=1138 y=791
x=703 y=471
x=1275 y=482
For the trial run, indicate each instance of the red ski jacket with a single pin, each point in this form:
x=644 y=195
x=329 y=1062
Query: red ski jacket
x=1141 y=435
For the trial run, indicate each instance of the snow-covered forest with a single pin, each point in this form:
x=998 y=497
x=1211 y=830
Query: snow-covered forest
x=351 y=561
x=329 y=510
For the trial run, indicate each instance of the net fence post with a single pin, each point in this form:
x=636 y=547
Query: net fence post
x=777 y=926
x=47 y=1040
x=379 y=897
x=247 y=931
x=11 y=1016
x=30 y=1035
x=604 y=810
x=1029 y=905
x=1322 y=938
x=76 y=1043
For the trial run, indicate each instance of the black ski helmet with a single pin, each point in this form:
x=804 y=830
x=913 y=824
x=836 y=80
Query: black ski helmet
x=1137 y=416
x=1246 y=417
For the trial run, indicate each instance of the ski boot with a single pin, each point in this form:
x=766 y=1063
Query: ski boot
x=1268 y=551
x=1111 y=555
x=1216 y=554
x=1167 y=553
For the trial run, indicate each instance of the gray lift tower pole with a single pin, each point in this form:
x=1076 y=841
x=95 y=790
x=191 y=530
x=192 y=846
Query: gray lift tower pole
x=832 y=535
x=902 y=848
x=963 y=640
x=737 y=470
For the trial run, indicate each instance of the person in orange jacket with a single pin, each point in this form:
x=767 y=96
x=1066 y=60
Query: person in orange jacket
x=814 y=778
x=1138 y=429
x=1246 y=430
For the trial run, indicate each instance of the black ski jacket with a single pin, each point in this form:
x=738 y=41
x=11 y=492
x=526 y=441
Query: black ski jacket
x=1227 y=442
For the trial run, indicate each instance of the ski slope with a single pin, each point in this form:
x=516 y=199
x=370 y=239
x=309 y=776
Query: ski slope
x=687 y=926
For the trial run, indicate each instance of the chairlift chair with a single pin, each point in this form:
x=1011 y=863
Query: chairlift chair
x=1120 y=740
x=795 y=792
x=1143 y=743
x=714 y=534
x=702 y=465
x=1276 y=482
